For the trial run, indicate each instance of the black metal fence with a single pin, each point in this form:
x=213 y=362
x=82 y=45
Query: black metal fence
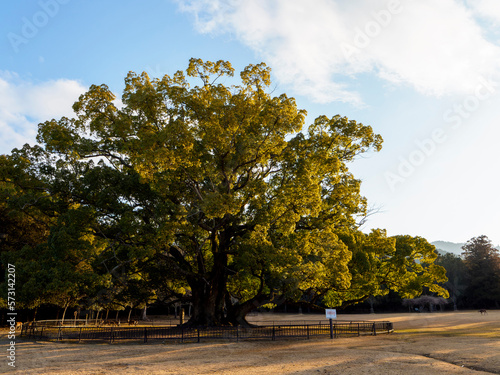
x=180 y=334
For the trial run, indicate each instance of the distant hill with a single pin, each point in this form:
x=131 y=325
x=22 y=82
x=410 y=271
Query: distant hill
x=451 y=247
x=448 y=247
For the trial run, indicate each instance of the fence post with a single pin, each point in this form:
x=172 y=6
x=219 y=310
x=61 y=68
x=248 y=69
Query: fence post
x=182 y=334
x=80 y=335
x=237 y=334
x=58 y=334
x=198 y=329
x=359 y=334
x=374 y=330
x=145 y=334
x=331 y=328
x=307 y=327
x=274 y=337
x=111 y=335
x=41 y=333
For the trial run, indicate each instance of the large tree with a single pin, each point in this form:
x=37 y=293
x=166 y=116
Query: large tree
x=456 y=274
x=222 y=194
x=482 y=263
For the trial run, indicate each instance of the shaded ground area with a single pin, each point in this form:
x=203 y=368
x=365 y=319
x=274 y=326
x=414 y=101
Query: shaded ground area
x=437 y=343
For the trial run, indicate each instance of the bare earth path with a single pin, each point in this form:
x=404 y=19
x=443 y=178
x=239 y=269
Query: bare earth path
x=432 y=343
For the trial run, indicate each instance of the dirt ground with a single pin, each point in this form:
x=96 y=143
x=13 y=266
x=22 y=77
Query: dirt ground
x=427 y=343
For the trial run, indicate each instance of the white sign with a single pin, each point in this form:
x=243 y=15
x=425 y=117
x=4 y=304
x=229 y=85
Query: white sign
x=331 y=313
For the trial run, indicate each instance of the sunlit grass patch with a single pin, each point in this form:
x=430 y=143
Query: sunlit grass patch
x=453 y=332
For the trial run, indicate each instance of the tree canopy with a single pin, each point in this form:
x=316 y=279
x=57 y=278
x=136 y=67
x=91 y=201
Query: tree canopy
x=211 y=193
x=482 y=266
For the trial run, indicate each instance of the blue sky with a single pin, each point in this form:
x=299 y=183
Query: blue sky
x=424 y=74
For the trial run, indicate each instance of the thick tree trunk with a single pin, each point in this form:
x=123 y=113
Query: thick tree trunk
x=208 y=295
x=237 y=313
x=206 y=310
x=211 y=302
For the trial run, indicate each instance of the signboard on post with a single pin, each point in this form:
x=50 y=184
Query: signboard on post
x=331 y=313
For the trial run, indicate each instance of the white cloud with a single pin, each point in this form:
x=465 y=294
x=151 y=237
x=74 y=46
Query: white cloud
x=24 y=104
x=489 y=9
x=320 y=47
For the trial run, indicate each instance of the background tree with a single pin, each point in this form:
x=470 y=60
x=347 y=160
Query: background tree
x=22 y=220
x=379 y=264
x=423 y=301
x=48 y=235
x=456 y=274
x=482 y=263
x=221 y=191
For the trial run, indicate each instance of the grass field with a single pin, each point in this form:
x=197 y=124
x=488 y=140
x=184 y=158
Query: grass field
x=427 y=343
